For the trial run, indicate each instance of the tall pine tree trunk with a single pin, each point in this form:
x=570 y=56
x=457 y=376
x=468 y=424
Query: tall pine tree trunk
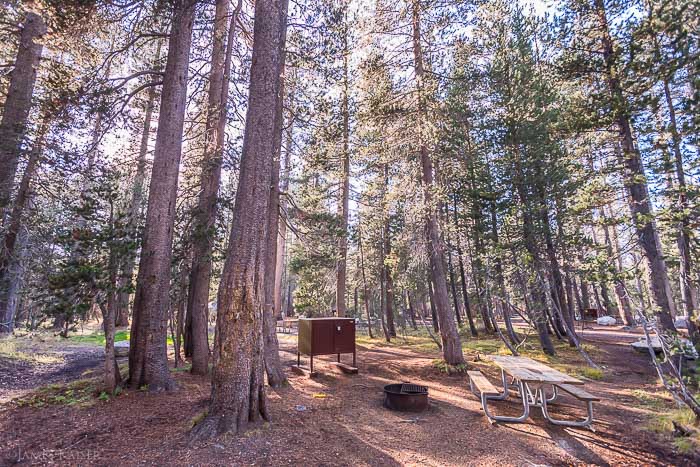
x=385 y=267
x=462 y=275
x=135 y=208
x=282 y=236
x=343 y=202
x=112 y=376
x=8 y=248
x=15 y=114
x=538 y=307
x=643 y=217
x=451 y=344
x=688 y=286
x=238 y=392
x=273 y=366
x=205 y=218
x=148 y=356
x=365 y=292
x=612 y=244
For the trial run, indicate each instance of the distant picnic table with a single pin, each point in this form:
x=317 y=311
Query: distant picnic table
x=287 y=325
x=530 y=379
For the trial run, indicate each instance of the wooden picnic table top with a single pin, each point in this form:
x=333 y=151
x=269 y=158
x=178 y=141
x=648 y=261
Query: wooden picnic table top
x=530 y=371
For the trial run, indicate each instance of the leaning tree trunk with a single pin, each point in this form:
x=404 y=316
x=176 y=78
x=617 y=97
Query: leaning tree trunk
x=451 y=344
x=538 y=307
x=135 y=208
x=12 y=233
x=238 y=392
x=148 y=354
x=557 y=290
x=643 y=217
x=273 y=365
x=14 y=123
x=205 y=218
x=500 y=281
x=688 y=287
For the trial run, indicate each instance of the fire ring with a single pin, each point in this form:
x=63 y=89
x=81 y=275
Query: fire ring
x=406 y=397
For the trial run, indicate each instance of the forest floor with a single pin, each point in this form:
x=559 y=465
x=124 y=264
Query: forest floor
x=333 y=419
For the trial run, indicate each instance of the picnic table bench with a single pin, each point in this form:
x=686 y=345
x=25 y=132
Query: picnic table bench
x=529 y=379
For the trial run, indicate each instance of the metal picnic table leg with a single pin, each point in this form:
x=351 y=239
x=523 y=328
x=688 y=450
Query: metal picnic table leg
x=500 y=418
x=586 y=423
x=506 y=387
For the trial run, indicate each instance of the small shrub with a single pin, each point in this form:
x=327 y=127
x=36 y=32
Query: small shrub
x=199 y=418
x=81 y=393
x=593 y=373
x=443 y=367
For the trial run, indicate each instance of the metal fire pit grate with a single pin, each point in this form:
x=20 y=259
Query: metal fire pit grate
x=406 y=397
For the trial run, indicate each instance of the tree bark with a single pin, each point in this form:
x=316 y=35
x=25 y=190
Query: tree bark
x=451 y=344
x=238 y=392
x=205 y=218
x=557 y=289
x=112 y=376
x=8 y=261
x=411 y=310
x=639 y=202
x=18 y=103
x=613 y=246
x=284 y=186
x=136 y=208
x=343 y=204
x=462 y=277
x=500 y=281
x=365 y=293
x=451 y=273
x=273 y=365
x=538 y=308
x=385 y=268
x=148 y=356
x=688 y=287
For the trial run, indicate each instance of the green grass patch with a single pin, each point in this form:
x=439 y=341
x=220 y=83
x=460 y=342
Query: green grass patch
x=592 y=373
x=413 y=339
x=82 y=393
x=443 y=367
x=182 y=368
x=98 y=338
x=662 y=423
x=485 y=345
x=567 y=359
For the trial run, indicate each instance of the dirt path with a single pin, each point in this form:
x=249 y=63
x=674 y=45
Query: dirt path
x=339 y=420
x=32 y=365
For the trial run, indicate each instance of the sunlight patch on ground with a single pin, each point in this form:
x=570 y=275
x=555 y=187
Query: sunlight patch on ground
x=9 y=349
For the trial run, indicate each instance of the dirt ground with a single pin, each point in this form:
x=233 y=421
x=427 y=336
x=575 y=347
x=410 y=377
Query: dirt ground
x=41 y=361
x=338 y=419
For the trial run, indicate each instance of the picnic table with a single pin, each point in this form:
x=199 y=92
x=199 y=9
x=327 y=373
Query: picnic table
x=531 y=379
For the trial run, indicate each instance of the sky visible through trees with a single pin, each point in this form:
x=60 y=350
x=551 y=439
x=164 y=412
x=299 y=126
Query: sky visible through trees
x=195 y=170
